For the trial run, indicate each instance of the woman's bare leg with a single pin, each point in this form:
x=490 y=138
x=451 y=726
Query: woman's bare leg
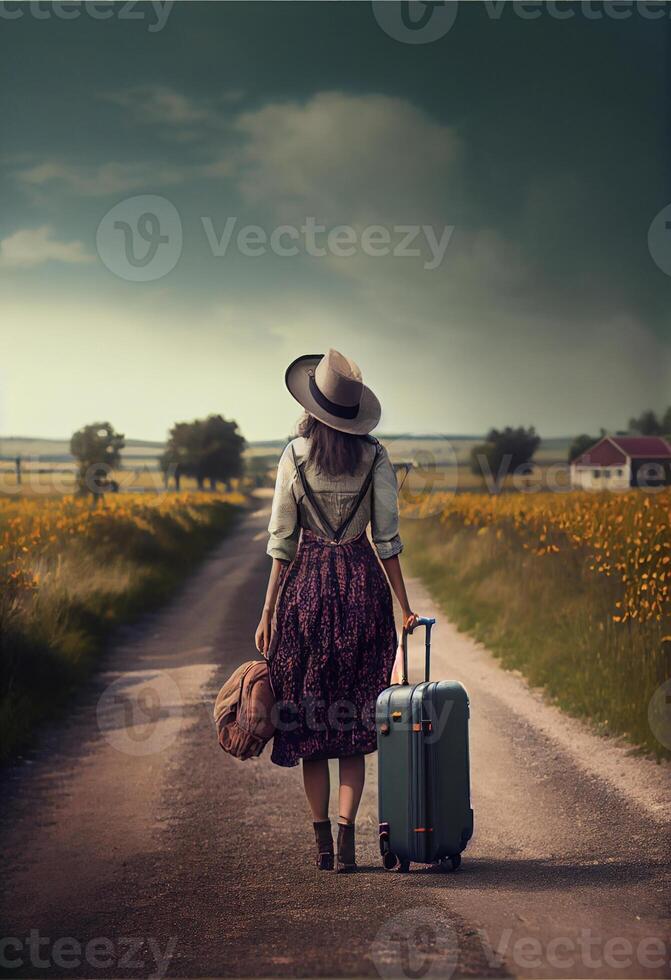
x=352 y=776
x=317 y=787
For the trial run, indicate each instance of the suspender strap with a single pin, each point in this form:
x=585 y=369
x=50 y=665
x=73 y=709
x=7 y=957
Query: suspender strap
x=336 y=534
x=342 y=530
x=307 y=490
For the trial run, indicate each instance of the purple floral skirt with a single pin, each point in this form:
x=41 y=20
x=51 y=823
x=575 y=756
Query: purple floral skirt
x=332 y=650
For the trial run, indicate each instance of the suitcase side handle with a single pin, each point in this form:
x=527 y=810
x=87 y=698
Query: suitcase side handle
x=427 y=623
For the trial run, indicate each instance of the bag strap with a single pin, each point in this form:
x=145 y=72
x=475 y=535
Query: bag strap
x=336 y=534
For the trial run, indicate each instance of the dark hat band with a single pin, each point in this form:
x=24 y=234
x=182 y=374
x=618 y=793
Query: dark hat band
x=340 y=411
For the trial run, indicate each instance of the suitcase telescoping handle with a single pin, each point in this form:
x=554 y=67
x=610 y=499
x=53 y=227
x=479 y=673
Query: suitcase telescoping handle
x=427 y=623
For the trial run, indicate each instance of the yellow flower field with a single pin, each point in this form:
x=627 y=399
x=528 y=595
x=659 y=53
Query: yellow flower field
x=33 y=529
x=625 y=537
x=70 y=572
x=571 y=589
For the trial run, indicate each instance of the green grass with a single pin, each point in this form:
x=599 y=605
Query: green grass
x=50 y=644
x=551 y=620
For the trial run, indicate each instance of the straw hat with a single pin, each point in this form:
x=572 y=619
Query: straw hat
x=330 y=387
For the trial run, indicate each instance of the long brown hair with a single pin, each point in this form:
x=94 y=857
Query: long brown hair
x=331 y=452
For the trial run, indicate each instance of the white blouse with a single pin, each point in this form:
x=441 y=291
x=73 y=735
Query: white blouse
x=292 y=510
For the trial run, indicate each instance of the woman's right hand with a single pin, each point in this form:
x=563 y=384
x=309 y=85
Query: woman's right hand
x=409 y=620
x=263 y=632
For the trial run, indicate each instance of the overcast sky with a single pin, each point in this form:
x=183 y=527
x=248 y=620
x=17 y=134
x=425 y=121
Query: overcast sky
x=523 y=159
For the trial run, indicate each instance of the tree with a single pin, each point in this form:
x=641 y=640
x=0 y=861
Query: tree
x=504 y=451
x=666 y=423
x=222 y=450
x=206 y=449
x=647 y=424
x=179 y=457
x=97 y=448
x=581 y=444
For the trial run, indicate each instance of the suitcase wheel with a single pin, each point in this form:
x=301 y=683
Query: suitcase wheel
x=451 y=863
x=388 y=857
x=389 y=860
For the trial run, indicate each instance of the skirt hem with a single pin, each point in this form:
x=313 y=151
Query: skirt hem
x=316 y=757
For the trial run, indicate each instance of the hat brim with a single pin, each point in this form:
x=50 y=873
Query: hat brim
x=297 y=380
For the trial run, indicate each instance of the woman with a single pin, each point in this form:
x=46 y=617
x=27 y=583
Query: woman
x=327 y=626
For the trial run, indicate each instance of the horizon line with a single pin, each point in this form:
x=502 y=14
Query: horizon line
x=280 y=439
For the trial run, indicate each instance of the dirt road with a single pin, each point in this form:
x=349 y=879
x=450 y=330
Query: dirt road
x=134 y=847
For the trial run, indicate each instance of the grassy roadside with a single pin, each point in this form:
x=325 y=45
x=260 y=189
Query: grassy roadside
x=69 y=575
x=551 y=619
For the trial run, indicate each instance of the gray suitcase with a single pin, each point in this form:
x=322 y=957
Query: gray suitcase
x=423 y=769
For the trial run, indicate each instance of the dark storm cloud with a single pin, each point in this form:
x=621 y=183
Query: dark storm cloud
x=542 y=143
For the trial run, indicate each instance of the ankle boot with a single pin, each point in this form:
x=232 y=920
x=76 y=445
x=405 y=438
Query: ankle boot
x=324 y=841
x=345 y=860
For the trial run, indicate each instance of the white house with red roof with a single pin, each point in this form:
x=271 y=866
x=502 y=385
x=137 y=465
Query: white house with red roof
x=620 y=462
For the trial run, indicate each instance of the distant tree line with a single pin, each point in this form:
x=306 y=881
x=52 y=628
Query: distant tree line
x=511 y=450
x=211 y=451
x=207 y=450
x=648 y=424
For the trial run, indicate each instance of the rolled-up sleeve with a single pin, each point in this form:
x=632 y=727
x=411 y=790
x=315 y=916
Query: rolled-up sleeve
x=283 y=528
x=384 y=523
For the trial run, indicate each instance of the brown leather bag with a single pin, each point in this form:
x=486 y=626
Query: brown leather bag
x=243 y=711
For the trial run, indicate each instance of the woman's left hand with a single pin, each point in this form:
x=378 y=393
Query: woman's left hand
x=263 y=633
